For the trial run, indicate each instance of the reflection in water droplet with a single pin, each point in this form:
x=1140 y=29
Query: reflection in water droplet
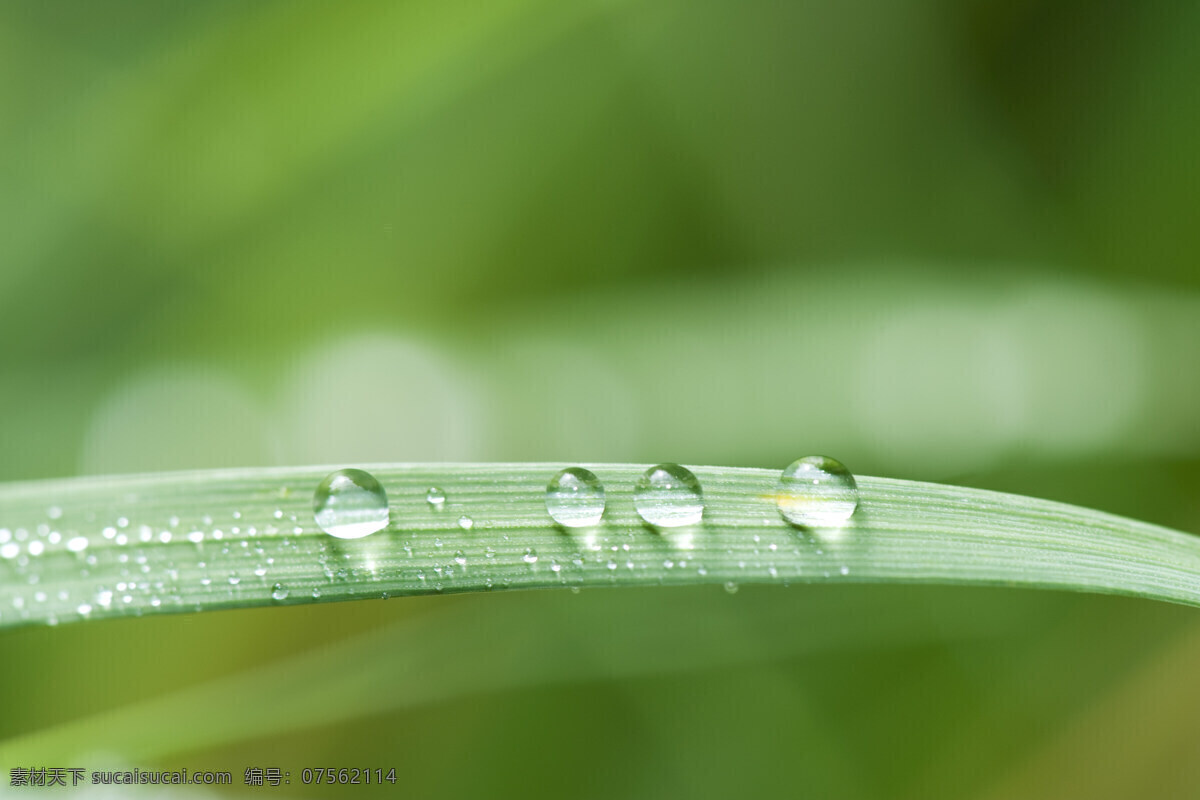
x=817 y=492
x=575 y=498
x=278 y=592
x=350 y=504
x=669 y=496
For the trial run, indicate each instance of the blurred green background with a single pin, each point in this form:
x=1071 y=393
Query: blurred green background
x=943 y=241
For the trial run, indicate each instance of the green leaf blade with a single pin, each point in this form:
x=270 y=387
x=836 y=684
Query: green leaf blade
x=178 y=542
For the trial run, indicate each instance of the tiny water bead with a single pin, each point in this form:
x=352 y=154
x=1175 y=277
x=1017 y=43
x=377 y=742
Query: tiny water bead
x=817 y=492
x=669 y=496
x=436 y=498
x=575 y=498
x=350 y=504
x=466 y=523
x=279 y=593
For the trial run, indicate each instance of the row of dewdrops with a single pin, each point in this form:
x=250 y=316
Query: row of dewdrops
x=814 y=491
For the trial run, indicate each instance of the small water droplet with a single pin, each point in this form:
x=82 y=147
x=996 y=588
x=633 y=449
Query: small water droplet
x=436 y=498
x=466 y=523
x=530 y=556
x=316 y=592
x=350 y=504
x=575 y=498
x=234 y=580
x=844 y=570
x=669 y=496
x=77 y=544
x=731 y=587
x=817 y=492
x=54 y=512
x=278 y=592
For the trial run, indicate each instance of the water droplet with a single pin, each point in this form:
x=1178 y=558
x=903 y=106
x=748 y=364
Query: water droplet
x=466 y=523
x=817 y=492
x=77 y=544
x=278 y=592
x=350 y=504
x=54 y=512
x=575 y=498
x=316 y=592
x=436 y=498
x=234 y=580
x=669 y=496
x=731 y=587
x=844 y=570
x=530 y=556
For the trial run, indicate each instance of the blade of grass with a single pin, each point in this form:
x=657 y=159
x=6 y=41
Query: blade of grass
x=100 y=547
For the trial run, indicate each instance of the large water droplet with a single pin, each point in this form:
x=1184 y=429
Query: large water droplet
x=575 y=498
x=817 y=492
x=350 y=504
x=669 y=496
x=436 y=498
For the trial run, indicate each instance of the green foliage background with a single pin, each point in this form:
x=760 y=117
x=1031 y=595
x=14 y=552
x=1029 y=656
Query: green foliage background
x=945 y=241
